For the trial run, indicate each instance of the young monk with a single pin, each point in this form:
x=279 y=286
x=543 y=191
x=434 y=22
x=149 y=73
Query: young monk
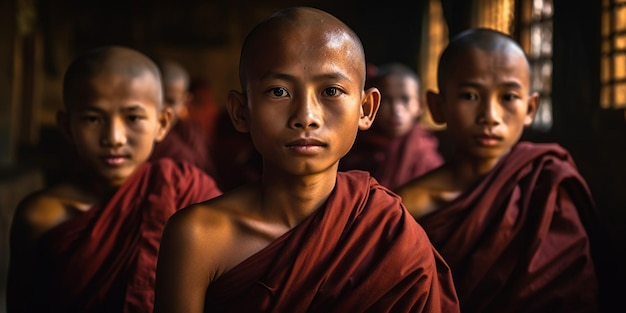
x=187 y=140
x=306 y=238
x=90 y=243
x=509 y=217
x=397 y=148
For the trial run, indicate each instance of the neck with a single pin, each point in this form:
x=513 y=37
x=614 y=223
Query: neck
x=94 y=186
x=469 y=170
x=289 y=200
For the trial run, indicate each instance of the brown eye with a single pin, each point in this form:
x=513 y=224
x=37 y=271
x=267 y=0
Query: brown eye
x=332 y=91
x=469 y=96
x=91 y=119
x=279 y=92
x=135 y=118
x=510 y=97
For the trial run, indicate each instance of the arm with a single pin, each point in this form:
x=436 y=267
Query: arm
x=33 y=216
x=416 y=200
x=184 y=264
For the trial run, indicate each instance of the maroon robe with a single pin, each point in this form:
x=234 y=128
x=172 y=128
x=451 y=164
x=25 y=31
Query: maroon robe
x=394 y=161
x=517 y=241
x=360 y=252
x=104 y=260
x=237 y=162
x=186 y=141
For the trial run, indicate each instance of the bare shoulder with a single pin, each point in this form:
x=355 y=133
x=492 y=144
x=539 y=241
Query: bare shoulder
x=423 y=194
x=199 y=221
x=40 y=212
x=208 y=218
x=215 y=232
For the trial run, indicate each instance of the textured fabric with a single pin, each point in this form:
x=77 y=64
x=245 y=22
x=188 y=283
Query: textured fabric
x=516 y=242
x=360 y=252
x=104 y=260
x=393 y=162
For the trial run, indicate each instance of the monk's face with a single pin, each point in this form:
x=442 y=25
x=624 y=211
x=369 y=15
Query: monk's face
x=176 y=96
x=399 y=105
x=486 y=101
x=304 y=99
x=114 y=123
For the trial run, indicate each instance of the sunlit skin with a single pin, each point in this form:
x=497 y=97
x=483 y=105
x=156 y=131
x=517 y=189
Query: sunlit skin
x=302 y=118
x=302 y=105
x=486 y=102
x=399 y=105
x=115 y=122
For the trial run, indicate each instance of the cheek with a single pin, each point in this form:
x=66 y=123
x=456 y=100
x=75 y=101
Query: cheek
x=414 y=108
x=460 y=117
x=143 y=135
x=85 y=136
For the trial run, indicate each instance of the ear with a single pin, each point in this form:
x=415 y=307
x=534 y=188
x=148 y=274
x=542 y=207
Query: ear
x=164 y=118
x=63 y=123
x=184 y=111
x=369 y=107
x=435 y=105
x=237 y=108
x=533 y=106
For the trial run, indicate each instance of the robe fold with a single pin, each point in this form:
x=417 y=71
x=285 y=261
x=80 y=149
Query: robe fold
x=104 y=260
x=519 y=240
x=360 y=252
x=394 y=161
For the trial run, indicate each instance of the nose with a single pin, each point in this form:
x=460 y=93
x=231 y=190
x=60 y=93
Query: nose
x=306 y=113
x=490 y=114
x=114 y=134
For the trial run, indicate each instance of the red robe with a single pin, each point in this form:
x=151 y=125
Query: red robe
x=517 y=241
x=186 y=141
x=104 y=260
x=394 y=161
x=360 y=252
x=237 y=161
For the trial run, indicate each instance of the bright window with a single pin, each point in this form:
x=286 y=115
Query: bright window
x=613 y=71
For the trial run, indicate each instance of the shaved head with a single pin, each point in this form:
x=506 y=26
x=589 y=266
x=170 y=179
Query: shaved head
x=298 y=19
x=477 y=38
x=393 y=69
x=172 y=71
x=105 y=61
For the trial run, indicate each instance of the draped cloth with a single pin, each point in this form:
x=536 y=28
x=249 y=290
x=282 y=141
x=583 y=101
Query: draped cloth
x=104 y=260
x=186 y=141
x=519 y=240
x=360 y=252
x=394 y=161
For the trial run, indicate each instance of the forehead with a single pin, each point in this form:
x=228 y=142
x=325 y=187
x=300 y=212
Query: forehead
x=175 y=85
x=501 y=65
x=114 y=88
x=398 y=82
x=305 y=50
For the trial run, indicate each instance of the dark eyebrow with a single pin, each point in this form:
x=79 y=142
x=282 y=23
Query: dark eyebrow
x=90 y=108
x=134 y=108
x=515 y=85
x=276 y=75
x=510 y=84
x=290 y=78
x=128 y=109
